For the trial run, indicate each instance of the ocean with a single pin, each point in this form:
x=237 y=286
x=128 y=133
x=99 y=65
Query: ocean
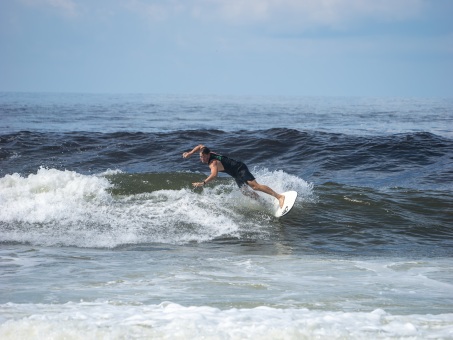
x=102 y=235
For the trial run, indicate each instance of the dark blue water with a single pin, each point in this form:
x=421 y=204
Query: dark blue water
x=371 y=231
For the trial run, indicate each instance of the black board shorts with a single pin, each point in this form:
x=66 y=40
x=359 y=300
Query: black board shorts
x=243 y=175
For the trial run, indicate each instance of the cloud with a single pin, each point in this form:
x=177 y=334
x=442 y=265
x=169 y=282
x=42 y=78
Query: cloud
x=158 y=11
x=308 y=14
x=303 y=14
x=66 y=7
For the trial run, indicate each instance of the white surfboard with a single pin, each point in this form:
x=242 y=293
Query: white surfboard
x=290 y=198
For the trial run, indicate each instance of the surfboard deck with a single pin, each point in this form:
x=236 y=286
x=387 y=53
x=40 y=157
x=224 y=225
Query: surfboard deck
x=290 y=198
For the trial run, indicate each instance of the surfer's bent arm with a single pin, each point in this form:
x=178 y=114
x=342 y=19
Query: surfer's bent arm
x=214 y=173
x=195 y=149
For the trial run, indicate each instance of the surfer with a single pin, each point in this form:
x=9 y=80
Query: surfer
x=236 y=169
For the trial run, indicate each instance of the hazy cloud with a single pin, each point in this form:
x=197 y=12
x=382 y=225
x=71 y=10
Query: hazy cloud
x=67 y=7
x=299 y=13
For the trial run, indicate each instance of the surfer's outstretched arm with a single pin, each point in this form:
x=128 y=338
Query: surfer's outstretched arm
x=195 y=149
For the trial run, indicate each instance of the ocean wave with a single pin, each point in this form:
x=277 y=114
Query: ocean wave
x=414 y=160
x=54 y=207
x=112 y=209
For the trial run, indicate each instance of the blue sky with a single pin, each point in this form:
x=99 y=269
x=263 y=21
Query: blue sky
x=244 y=47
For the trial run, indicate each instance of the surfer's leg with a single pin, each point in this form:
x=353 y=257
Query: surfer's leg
x=245 y=177
x=264 y=188
x=242 y=184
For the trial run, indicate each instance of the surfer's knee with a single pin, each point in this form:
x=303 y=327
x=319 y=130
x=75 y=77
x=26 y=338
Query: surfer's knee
x=254 y=185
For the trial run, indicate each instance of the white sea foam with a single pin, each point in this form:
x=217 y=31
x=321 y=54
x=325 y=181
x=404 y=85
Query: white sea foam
x=54 y=207
x=99 y=320
x=280 y=181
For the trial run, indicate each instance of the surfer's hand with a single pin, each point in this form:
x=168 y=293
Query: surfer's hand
x=186 y=155
x=198 y=184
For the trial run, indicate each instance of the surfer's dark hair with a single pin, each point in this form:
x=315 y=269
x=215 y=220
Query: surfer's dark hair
x=205 y=151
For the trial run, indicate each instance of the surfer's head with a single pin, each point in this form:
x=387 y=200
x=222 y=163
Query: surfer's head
x=204 y=154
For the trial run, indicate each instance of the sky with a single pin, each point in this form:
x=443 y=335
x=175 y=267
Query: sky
x=228 y=47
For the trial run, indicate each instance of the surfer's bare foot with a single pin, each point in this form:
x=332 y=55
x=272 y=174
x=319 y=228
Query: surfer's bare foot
x=281 y=200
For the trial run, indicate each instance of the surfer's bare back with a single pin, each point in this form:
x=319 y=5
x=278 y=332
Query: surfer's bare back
x=236 y=169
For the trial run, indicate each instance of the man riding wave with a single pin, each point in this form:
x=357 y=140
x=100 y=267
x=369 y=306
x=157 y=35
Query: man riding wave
x=236 y=169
